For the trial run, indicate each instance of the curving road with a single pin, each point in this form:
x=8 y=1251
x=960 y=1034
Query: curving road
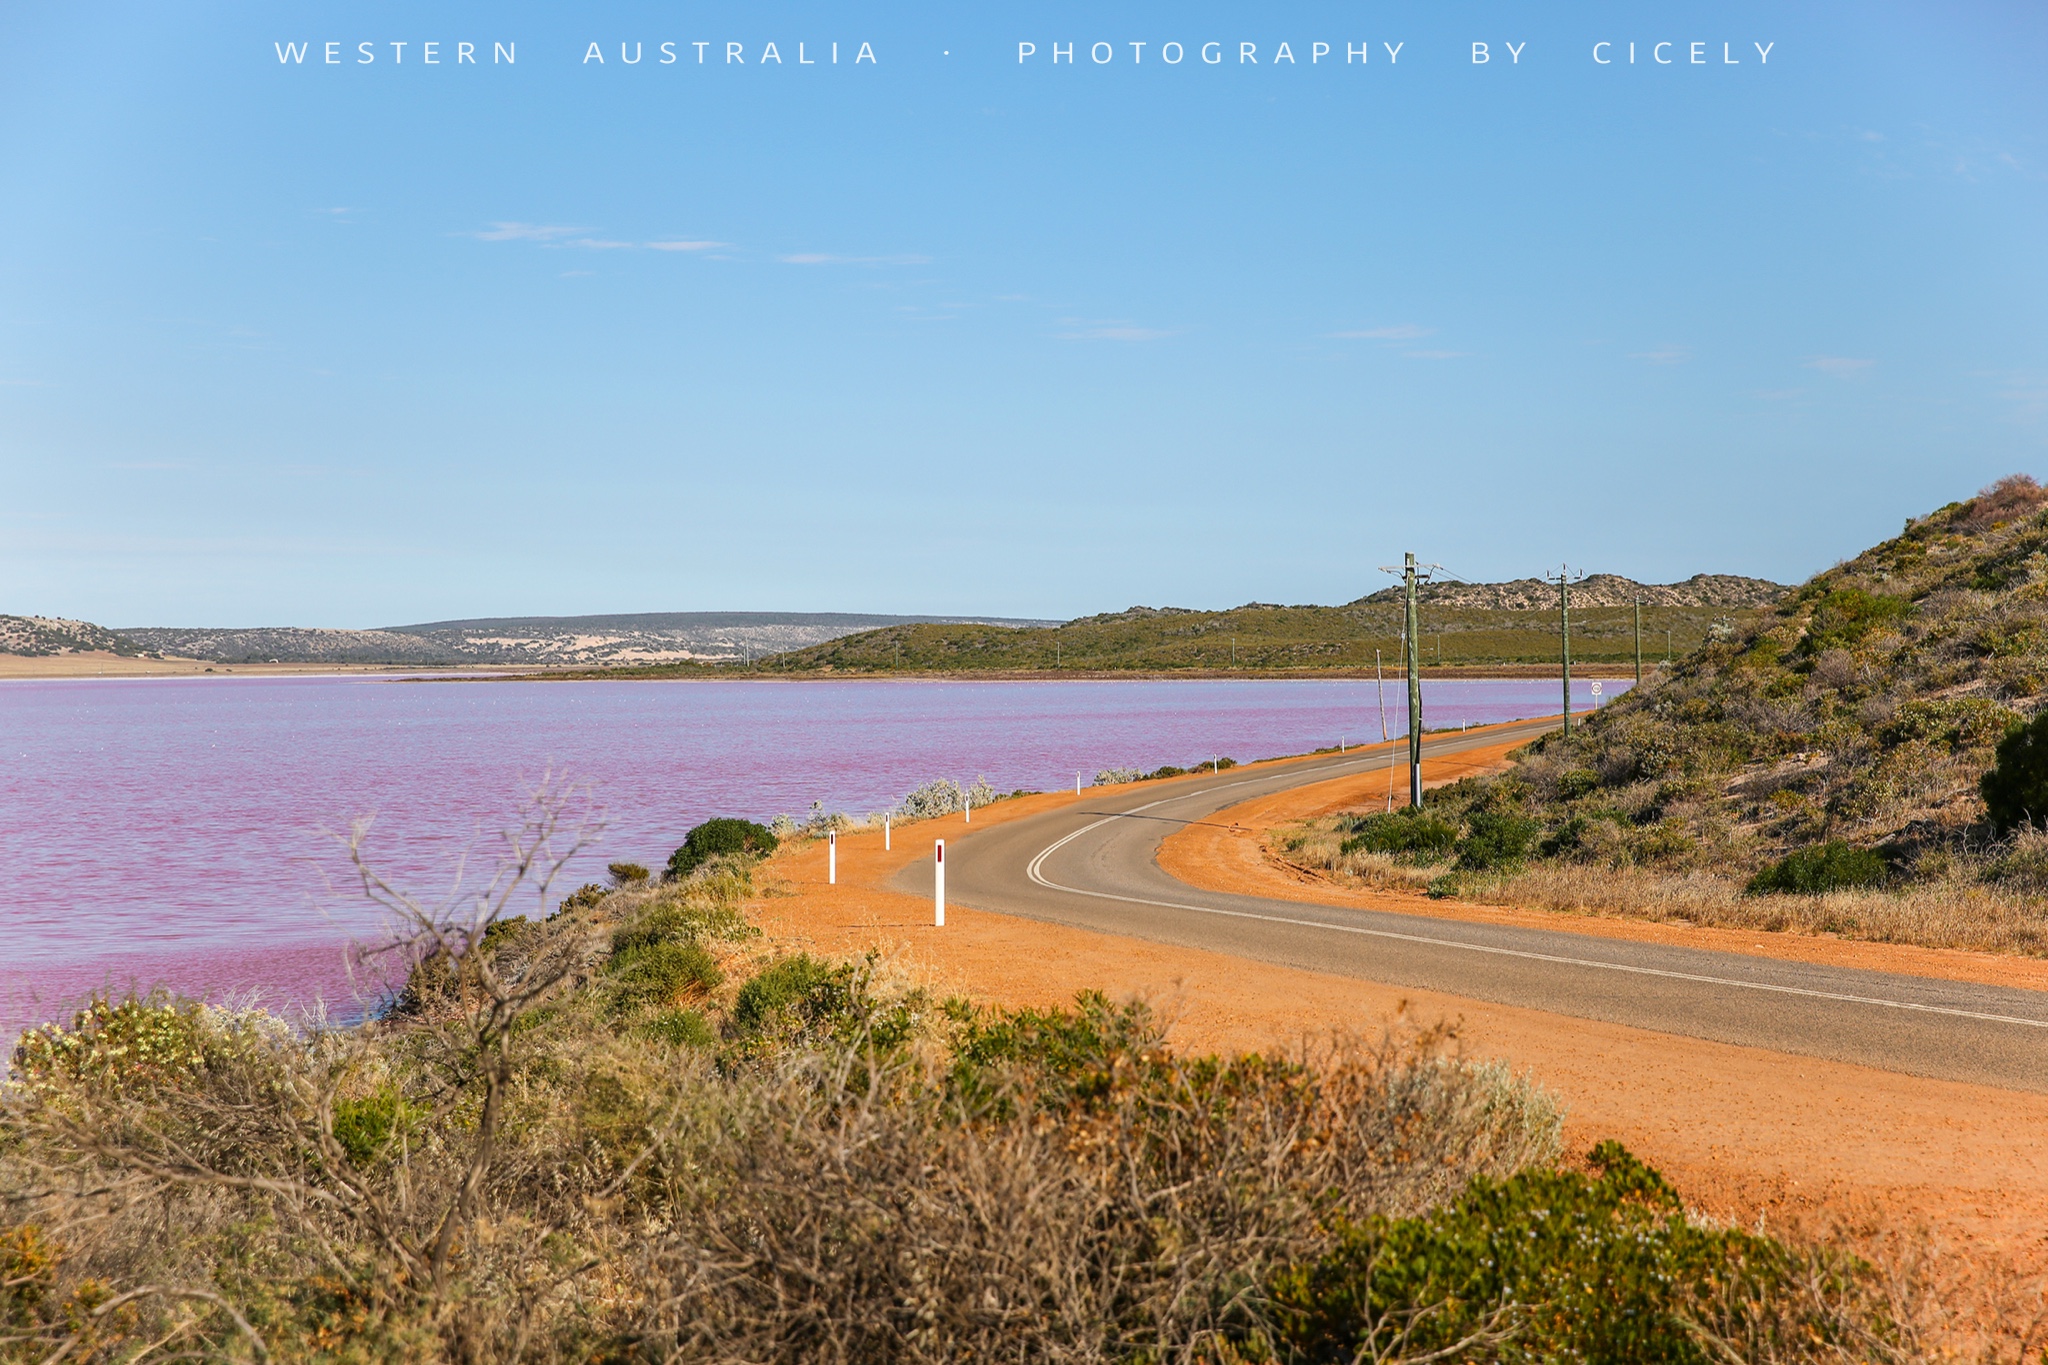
x=1094 y=866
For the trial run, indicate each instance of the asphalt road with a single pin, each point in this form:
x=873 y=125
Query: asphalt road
x=1094 y=866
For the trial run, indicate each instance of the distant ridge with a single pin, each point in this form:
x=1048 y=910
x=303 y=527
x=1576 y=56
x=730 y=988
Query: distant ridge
x=1596 y=590
x=691 y=620
x=537 y=641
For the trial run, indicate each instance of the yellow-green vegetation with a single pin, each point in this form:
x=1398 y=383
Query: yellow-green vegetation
x=627 y=1133
x=1826 y=769
x=1263 y=638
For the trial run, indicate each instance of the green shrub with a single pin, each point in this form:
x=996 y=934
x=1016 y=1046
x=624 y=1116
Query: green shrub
x=1574 y=783
x=661 y=973
x=1165 y=770
x=687 y=922
x=1957 y=722
x=1410 y=833
x=800 y=984
x=1551 y=1265
x=680 y=1028
x=2016 y=789
x=1496 y=839
x=366 y=1126
x=627 y=874
x=1063 y=1054
x=800 y=995
x=1832 y=866
x=1568 y=837
x=584 y=897
x=722 y=835
x=1845 y=616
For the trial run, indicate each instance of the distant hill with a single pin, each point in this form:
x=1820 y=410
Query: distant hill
x=1597 y=590
x=44 y=635
x=534 y=641
x=1265 y=637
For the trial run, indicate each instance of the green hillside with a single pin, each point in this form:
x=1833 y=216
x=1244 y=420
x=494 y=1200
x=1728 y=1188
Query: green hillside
x=1837 y=742
x=1263 y=637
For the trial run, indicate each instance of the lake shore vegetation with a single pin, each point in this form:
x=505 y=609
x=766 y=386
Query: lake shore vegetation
x=628 y=1130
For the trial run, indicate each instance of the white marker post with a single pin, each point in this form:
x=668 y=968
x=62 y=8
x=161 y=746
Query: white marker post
x=1077 y=784
x=939 y=884
x=967 y=808
x=885 y=834
x=832 y=858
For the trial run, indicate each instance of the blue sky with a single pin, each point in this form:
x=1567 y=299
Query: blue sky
x=355 y=344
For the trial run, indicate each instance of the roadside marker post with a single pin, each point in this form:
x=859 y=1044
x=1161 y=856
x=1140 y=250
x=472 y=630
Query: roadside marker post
x=832 y=858
x=1077 y=784
x=939 y=884
x=885 y=834
x=967 y=808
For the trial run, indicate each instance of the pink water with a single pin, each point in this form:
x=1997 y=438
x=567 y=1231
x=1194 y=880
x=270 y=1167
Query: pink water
x=169 y=831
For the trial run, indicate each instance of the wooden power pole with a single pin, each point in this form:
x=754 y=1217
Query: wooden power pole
x=1413 y=575
x=1564 y=617
x=1639 y=642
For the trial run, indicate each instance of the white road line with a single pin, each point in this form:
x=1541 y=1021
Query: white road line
x=1036 y=872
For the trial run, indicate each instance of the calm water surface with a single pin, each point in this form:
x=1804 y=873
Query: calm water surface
x=170 y=831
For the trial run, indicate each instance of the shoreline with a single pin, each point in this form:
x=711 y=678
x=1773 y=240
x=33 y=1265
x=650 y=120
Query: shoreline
x=23 y=667
x=1433 y=673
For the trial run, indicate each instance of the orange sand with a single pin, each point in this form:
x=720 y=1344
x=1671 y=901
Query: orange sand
x=1743 y=1132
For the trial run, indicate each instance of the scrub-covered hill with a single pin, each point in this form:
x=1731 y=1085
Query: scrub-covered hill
x=1837 y=742
x=1462 y=625
x=39 y=636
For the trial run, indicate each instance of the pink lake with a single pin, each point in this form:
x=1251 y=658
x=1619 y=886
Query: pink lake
x=169 y=831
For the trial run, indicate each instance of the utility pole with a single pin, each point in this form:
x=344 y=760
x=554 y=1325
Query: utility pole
x=1564 y=616
x=1380 y=681
x=1414 y=690
x=1413 y=575
x=1639 y=642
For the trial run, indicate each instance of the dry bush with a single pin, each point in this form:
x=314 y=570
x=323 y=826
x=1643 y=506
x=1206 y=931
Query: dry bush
x=522 y=1161
x=2014 y=496
x=519 y=1161
x=1957 y=910
x=1135 y=1216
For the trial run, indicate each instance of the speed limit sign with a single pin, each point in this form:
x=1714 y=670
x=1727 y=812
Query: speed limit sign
x=1596 y=691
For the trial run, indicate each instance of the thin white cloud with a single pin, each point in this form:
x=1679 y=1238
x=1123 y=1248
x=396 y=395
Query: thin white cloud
x=1663 y=355
x=1779 y=395
x=1841 y=367
x=151 y=464
x=1407 y=331
x=576 y=239
x=1115 y=330
x=822 y=258
x=1436 y=355
x=524 y=232
x=24 y=384
x=2027 y=393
